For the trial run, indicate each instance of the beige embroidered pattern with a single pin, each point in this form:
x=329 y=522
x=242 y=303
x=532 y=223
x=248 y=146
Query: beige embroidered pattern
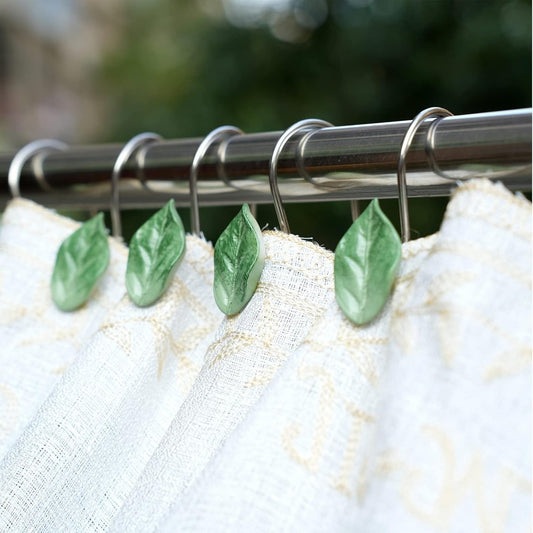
x=122 y=325
x=452 y=444
x=490 y=492
x=340 y=348
x=41 y=341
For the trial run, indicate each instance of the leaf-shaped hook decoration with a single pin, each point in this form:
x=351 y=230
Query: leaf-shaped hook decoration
x=366 y=261
x=155 y=253
x=81 y=261
x=239 y=261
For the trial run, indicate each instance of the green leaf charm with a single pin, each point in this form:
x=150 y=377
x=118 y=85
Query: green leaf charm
x=155 y=253
x=239 y=261
x=81 y=261
x=366 y=261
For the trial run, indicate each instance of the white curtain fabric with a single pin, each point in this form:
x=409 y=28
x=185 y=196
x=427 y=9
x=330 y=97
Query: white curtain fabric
x=287 y=417
x=85 y=448
x=39 y=342
x=452 y=448
x=249 y=348
x=419 y=421
x=294 y=462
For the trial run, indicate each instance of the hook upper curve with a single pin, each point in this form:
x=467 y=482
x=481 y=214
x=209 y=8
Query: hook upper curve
x=23 y=155
x=207 y=141
x=430 y=149
x=124 y=155
x=405 y=225
x=300 y=158
x=140 y=159
x=273 y=166
x=221 y=158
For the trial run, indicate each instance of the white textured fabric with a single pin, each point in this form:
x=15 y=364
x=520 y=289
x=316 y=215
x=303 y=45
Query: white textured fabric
x=452 y=450
x=417 y=422
x=294 y=290
x=81 y=455
x=38 y=341
x=296 y=420
x=292 y=463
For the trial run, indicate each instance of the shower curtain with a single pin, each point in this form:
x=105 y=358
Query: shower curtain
x=286 y=416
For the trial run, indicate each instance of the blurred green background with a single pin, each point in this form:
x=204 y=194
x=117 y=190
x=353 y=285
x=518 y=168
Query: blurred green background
x=184 y=68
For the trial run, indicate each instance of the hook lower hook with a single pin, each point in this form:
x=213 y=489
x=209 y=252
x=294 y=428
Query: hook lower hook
x=23 y=155
x=273 y=166
x=124 y=155
x=404 y=149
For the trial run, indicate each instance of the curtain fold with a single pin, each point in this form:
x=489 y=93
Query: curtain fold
x=418 y=421
x=82 y=453
x=286 y=416
x=294 y=463
x=39 y=342
x=452 y=449
x=294 y=290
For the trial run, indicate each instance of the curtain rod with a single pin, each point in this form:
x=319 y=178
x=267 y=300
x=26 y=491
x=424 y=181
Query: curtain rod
x=341 y=163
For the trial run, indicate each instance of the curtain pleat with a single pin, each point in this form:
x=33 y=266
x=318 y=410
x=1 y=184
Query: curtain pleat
x=39 y=342
x=81 y=455
x=249 y=348
x=286 y=416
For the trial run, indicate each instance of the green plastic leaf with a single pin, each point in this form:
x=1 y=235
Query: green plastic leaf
x=239 y=261
x=366 y=262
x=81 y=261
x=155 y=253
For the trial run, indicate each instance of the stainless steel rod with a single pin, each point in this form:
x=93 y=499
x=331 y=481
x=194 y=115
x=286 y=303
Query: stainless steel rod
x=337 y=163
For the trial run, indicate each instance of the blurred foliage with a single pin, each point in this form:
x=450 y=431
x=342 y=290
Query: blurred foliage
x=183 y=69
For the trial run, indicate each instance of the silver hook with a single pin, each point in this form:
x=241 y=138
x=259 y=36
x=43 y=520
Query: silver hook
x=430 y=148
x=402 y=183
x=221 y=169
x=221 y=157
x=209 y=139
x=273 y=167
x=23 y=155
x=140 y=159
x=127 y=151
x=354 y=204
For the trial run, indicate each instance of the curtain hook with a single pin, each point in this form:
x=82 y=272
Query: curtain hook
x=23 y=155
x=140 y=159
x=354 y=204
x=273 y=166
x=300 y=151
x=430 y=148
x=404 y=149
x=124 y=155
x=209 y=139
x=221 y=158
x=221 y=169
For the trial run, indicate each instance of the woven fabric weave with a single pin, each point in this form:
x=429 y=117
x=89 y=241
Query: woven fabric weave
x=294 y=290
x=452 y=448
x=419 y=421
x=83 y=452
x=287 y=417
x=39 y=342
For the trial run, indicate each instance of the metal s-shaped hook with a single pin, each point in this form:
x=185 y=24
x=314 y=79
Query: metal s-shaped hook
x=23 y=155
x=354 y=204
x=430 y=148
x=404 y=149
x=127 y=151
x=221 y=170
x=209 y=139
x=221 y=157
x=273 y=166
